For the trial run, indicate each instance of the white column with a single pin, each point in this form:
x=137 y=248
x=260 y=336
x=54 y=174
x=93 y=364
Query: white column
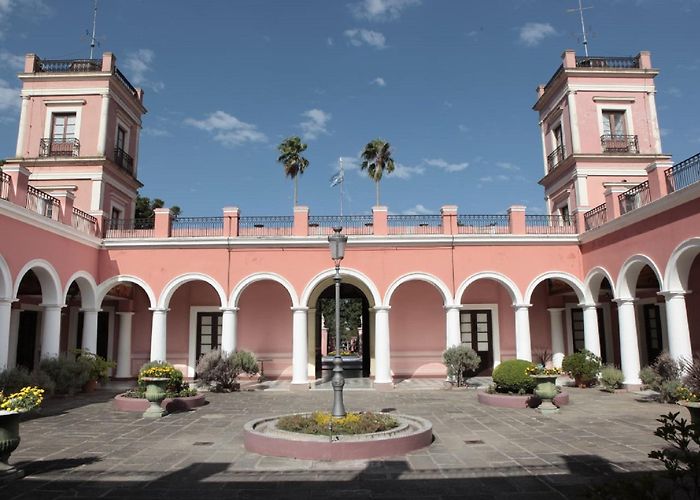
x=591 y=335
x=124 y=345
x=229 y=322
x=159 y=334
x=51 y=331
x=523 y=347
x=382 y=352
x=452 y=321
x=629 y=345
x=677 y=326
x=311 y=343
x=5 y=315
x=90 y=330
x=102 y=131
x=24 y=112
x=14 y=335
x=300 y=347
x=573 y=121
x=556 y=327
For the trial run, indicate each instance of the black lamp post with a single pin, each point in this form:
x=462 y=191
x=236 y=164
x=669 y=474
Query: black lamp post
x=337 y=243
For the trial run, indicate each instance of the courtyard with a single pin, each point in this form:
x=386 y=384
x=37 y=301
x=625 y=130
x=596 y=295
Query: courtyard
x=79 y=447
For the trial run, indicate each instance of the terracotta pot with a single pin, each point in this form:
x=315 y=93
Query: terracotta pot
x=91 y=386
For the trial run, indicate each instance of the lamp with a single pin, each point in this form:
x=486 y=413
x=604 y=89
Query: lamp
x=337 y=242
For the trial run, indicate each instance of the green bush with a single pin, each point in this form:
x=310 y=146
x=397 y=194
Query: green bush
x=67 y=373
x=611 y=378
x=460 y=361
x=583 y=366
x=649 y=377
x=663 y=376
x=692 y=374
x=14 y=379
x=511 y=376
x=97 y=366
x=220 y=372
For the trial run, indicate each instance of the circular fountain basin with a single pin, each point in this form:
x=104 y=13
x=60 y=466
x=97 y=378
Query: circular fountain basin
x=263 y=437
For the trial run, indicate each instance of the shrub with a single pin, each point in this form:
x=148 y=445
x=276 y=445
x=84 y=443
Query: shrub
x=611 y=378
x=161 y=369
x=664 y=377
x=67 y=373
x=542 y=355
x=460 y=360
x=221 y=372
x=97 y=366
x=583 y=366
x=41 y=379
x=666 y=367
x=691 y=380
x=14 y=379
x=511 y=376
x=649 y=377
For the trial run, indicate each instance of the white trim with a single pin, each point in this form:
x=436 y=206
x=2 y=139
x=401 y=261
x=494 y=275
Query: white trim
x=365 y=281
x=573 y=122
x=567 y=278
x=50 y=281
x=255 y=277
x=64 y=102
x=104 y=287
x=611 y=88
x=87 y=286
x=192 y=342
x=424 y=277
x=604 y=98
x=496 y=334
x=597 y=271
x=502 y=279
x=48 y=118
x=178 y=281
x=581 y=186
x=629 y=123
x=93 y=176
x=634 y=265
x=682 y=256
x=5 y=279
x=653 y=118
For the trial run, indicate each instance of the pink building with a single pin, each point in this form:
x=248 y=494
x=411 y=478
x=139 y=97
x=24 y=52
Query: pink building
x=611 y=268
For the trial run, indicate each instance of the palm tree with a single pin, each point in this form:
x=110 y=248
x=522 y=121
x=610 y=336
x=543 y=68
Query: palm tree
x=376 y=158
x=290 y=156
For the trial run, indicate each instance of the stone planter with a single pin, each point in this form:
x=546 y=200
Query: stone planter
x=546 y=390
x=517 y=401
x=9 y=441
x=91 y=386
x=123 y=403
x=155 y=394
x=694 y=410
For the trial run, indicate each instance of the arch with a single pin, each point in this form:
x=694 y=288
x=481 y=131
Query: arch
x=592 y=282
x=679 y=264
x=178 y=281
x=5 y=279
x=107 y=285
x=629 y=272
x=250 y=279
x=567 y=278
x=504 y=280
x=88 y=289
x=346 y=271
x=51 y=291
x=420 y=276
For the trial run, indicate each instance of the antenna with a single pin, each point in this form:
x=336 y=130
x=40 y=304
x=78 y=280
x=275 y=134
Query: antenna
x=580 y=10
x=94 y=26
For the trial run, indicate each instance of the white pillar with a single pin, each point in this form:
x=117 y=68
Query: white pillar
x=556 y=327
x=5 y=315
x=159 y=335
x=629 y=345
x=14 y=335
x=382 y=352
x=300 y=347
x=90 y=330
x=23 y=114
x=677 y=326
x=51 y=331
x=454 y=337
x=102 y=130
x=124 y=345
x=591 y=335
x=523 y=347
x=229 y=323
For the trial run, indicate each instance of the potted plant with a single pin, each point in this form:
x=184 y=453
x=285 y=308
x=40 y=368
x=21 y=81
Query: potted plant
x=546 y=388
x=96 y=367
x=460 y=360
x=582 y=366
x=156 y=376
x=689 y=393
x=11 y=407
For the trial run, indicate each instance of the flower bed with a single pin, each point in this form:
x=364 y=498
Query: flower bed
x=353 y=423
x=517 y=401
x=122 y=402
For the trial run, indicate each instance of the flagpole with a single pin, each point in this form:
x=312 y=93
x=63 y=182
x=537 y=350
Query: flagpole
x=342 y=181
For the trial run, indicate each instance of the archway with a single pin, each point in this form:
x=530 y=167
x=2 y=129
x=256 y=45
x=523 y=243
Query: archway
x=599 y=290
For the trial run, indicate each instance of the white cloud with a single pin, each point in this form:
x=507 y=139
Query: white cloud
x=329 y=41
x=13 y=61
x=9 y=97
x=531 y=34
x=316 y=123
x=138 y=65
x=381 y=10
x=495 y=178
x=419 y=210
x=358 y=37
x=229 y=130
x=156 y=132
x=379 y=82
x=463 y=128
x=512 y=167
x=405 y=172
x=674 y=92
x=447 y=167
x=34 y=8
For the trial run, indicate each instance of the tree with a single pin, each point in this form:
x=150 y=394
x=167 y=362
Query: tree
x=145 y=207
x=350 y=317
x=376 y=158
x=290 y=156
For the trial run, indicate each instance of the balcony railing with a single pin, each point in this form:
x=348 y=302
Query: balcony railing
x=123 y=159
x=59 y=147
x=596 y=217
x=130 y=228
x=67 y=65
x=351 y=224
x=120 y=76
x=607 y=62
x=84 y=222
x=4 y=186
x=633 y=198
x=197 y=226
x=550 y=224
x=556 y=157
x=265 y=225
x=483 y=224
x=43 y=203
x=619 y=143
x=414 y=224
x=683 y=174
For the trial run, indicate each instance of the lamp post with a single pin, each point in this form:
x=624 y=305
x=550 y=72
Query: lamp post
x=337 y=243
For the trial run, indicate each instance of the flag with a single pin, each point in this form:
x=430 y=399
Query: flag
x=337 y=178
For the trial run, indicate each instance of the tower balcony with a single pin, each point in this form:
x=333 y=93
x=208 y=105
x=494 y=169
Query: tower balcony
x=124 y=160
x=49 y=147
x=612 y=143
x=556 y=157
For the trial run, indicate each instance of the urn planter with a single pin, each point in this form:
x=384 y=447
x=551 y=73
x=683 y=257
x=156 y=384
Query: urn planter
x=546 y=390
x=9 y=441
x=155 y=394
x=694 y=409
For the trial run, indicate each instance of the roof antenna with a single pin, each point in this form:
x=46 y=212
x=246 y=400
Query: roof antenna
x=580 y=10
x=94 y=26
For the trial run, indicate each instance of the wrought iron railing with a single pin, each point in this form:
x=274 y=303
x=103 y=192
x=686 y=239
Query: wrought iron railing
x=273 y=225
x=483 y=224
x=559 y=71
x=414 y=224
x=123 y=159
x=351 y=224
x=84 y=222
x=550 y=224
x=683 y=174
x=596 y=217
x=197 y=226
x=130 y=228
x=120 y=76
x=607 y=62
x=59 y=147
x=556 y=157
x=619 y=143
x=4 y=186
x=43 y=203
x=67 y=65
x=633 y=198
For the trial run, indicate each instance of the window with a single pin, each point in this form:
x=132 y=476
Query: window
x=614 y=123
x=565 y=216
x=63 y=127
x=558 y=137
x=114 y=218
x=121 y=138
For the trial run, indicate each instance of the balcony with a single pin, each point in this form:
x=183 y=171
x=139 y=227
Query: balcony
x=555 y=158
x=4 y=186
x=84 y=222
x=79 y=66
x=123 y=159
x=619 y=143
x=43 y=203
x=683 y=174
x=596 y=217
x=550 y=224
x=607 y=62
x=67 y=148
x=633 y=198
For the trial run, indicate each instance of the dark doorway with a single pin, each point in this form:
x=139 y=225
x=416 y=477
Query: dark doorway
x=102 y=333
x=209 y=325
x=26 y=339
x=652 y=330
x=355 y=348
x=476 y=330
x=577 y=331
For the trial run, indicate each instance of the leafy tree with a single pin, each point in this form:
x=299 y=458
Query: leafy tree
x=376 y=158
x=350 y=317
x=290 y=156
x=145 y=207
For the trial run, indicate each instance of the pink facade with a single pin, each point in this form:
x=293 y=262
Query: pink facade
x=610 y=268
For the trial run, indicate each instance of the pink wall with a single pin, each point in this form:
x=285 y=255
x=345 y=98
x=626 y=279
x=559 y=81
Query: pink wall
x=491 y=292
x=693 y=306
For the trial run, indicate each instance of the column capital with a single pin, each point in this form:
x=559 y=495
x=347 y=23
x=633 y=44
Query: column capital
x=673 y=294
x=624 y=300
x=299 y=308
x=452 y=307
x=556 y=309
x=588 y=306
x=8 y=300
x=159 y=309
x=381 y=308
x=125 y=313
x=229 y=309
x=53 y=306
x=521 y=306
x=90 y=310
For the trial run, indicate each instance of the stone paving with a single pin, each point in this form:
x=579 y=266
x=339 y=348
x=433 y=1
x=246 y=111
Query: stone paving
x=81 y=448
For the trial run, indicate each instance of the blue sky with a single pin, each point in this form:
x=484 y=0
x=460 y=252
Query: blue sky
x=450 y=84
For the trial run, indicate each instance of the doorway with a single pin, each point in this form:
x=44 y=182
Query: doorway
x=27 y=339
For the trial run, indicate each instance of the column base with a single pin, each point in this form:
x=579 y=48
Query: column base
x=299 y=387
x=383 y=386
x=633 y=387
